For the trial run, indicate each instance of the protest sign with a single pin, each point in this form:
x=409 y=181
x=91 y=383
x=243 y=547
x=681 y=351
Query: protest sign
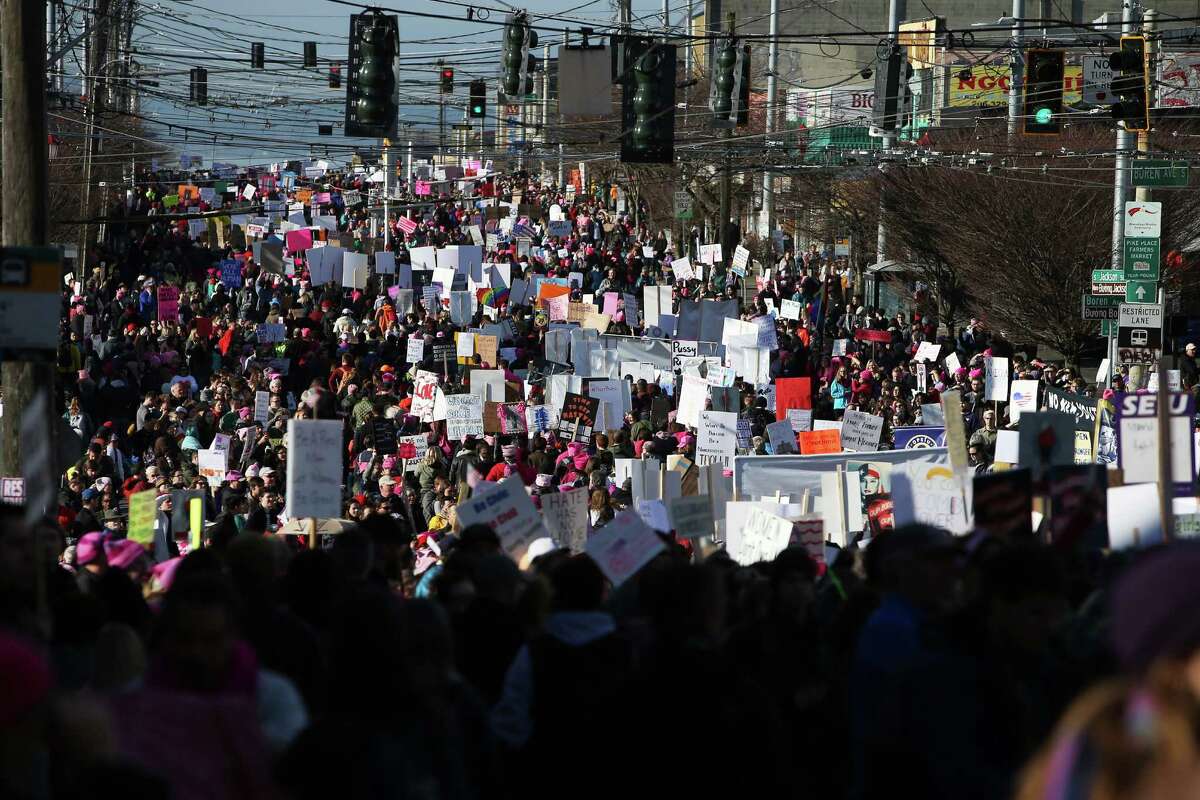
x=930 y=494
x=168 y=304
x=383 y=436
x=143 y=513
x=464 y=416
x=861 y=431
x=423 y=395
x=539 y=419
x=717 y=438
x=577 y=417
x=211 y=465
x=1022 y=396
x=1133 y=518
x=262 y=407
x=416 y=350
x=828 y=440
x=314 y=468
x=800 y=419
x=508 y=510
x=996 y=379
x=1002 y=504
x=782 y=437
x=1138 y=439
x=792 y=393
x=763 y=537
x=565 y=514
x=691 y=517
x=623 y=546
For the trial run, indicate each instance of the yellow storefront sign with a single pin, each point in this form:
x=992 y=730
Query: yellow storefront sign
x=988 y=85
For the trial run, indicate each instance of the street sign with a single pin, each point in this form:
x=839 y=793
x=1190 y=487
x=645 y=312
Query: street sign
x=683 y=205
x=1141 y=292
x=1159 y=172
x=1142 y=258
x=29 y=298
x=1097 y=81
x=1108 y=327
x=1140 y=326
x=1114 y=289
x=1108 y=276
x=1100 y=307
x=1143 y=219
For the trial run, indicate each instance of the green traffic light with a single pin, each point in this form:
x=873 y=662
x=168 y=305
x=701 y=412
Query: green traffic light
x=1043 y=115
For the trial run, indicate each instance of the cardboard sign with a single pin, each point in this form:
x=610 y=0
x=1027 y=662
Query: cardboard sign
x=782 y=437
x=717 y=440
x=623 y=546
x=822 y=441
x=763 y=537
x=314 y=468
x=577 y=417
x=861 y=431
x=691 y=516
x=792 y=393
x=566 y=518
x=1137 y=439
x=507 y=509
x=464 y=416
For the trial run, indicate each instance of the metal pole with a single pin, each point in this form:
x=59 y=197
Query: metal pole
x=387 y=192
x=545 y=105
x=666 y=15
x=1125 y=143
x=561 y=174
x=408 y=167
x=1016 y=82
x=767 y=217
x=441 y=118
x=896 y=11
x=687 y=51
x=726 y=178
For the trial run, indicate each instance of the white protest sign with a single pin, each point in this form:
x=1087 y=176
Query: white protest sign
x=424 y=388
x=763 y=537
x=996 y=379
x=691 y=400
x=262 y=407
x=717 y=440
x=691 y=516
x=211 y=466
x=927 y=351
x=789 y=309
x=681 y=268
x=507 y=509
x=416 y=350
x=930 y=494
x=800 y=419
x=623 y=546
x=464 y=416
x=952 y=363
x=314 y=468
x=565 y=514
x=860 y=431
x=1022 y=396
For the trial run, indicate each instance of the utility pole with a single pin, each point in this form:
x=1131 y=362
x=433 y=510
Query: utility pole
x=26 y=176
x=1017 y=78
x=767 y=217
x=543 y=139
x=1125 y=143
x=387 y=193
x=896 y=12
x=561 y=182
x=727 y=172
x=441 y=117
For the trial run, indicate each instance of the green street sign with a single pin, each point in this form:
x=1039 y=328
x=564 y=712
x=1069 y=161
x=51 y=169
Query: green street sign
x=1101 y=306
x=1108 y=276
x=1141 y=292
x=1160 y=172
x=1141 y=258
x=1108 y=327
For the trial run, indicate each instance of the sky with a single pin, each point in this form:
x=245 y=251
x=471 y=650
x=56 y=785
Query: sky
x=262 y=116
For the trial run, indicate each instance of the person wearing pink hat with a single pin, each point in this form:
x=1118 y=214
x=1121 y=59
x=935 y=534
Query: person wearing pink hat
x=90 y=560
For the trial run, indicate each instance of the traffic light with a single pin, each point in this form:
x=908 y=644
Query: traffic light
x=1042 y=113
x=478 y=107
x=518 y=38
x=335 y=76
x=1130 y=84
x=648 y=107
x=310 y=54
x=257 y=58
x=446 y=86
x=891 y=85
x=729 y=91
x=198 y=86
x=371 y=101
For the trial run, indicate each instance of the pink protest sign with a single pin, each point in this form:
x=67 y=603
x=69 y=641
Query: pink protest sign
x=299 y=240
x=421 y=188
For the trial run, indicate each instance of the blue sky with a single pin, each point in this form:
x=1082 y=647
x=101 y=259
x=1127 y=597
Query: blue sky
x=261 y=116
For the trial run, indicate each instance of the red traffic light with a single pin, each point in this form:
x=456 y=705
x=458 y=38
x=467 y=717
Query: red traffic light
x=448 y=73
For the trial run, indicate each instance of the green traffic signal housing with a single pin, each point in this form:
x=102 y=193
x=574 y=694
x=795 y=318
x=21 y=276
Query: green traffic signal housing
x=1131 y=84
x=478 y=104
x=515 y=74
x=648 y=104
x=1043 y=92
x=372 y=105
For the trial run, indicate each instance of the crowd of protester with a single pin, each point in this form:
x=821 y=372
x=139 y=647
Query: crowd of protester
x=409 y=656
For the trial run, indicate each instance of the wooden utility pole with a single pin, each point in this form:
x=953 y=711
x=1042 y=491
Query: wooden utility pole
x=26 y=215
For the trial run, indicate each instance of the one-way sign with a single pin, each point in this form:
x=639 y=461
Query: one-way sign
x=1140 y=326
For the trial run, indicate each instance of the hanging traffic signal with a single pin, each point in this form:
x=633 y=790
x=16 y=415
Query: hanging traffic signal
x=310 y=54
x=1042 y=113
x=478 y=107
x=446 y=85
x=891 y=85
x=257 y=57
x=1130 y=84
x=198 y=86
x=335 y=76
x=729 y=91
x=648 y=108
x=514 y=58
x=371 y=101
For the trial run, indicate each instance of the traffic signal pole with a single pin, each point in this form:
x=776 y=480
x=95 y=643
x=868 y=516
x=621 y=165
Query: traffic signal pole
x=896 y=12
x=727 y=175
x=1125 y=143
x=1016 y=79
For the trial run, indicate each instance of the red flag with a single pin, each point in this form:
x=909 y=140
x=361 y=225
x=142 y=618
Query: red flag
x=226 y=341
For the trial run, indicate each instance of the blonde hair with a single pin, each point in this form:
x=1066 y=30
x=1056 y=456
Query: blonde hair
x=1119 y=740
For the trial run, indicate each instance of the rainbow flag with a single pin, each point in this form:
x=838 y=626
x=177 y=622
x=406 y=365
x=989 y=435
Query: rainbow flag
x=492 y=297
